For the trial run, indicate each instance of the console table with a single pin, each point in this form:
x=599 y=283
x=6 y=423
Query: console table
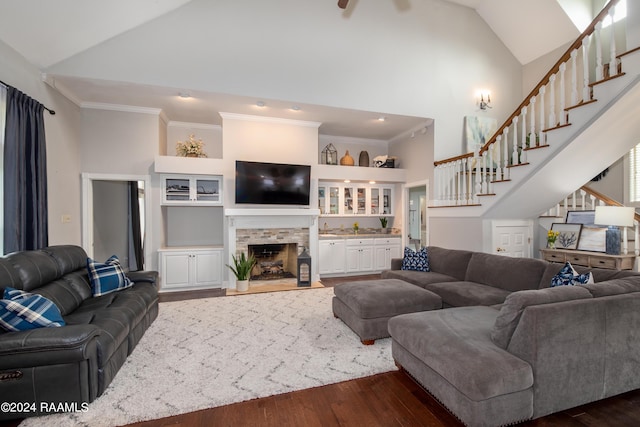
x=590 y=259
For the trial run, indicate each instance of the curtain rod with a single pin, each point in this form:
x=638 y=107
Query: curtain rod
x=52 y=112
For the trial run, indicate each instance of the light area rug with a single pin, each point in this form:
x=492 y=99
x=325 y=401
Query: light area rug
x=211 y=352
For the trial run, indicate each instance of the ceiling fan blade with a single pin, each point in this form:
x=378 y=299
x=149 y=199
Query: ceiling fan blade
x=342 y=4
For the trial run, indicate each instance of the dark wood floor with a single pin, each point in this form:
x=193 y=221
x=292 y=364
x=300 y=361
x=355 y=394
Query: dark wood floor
x=383 y=400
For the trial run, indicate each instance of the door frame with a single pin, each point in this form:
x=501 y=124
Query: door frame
x=87 y=209
x=405 y=209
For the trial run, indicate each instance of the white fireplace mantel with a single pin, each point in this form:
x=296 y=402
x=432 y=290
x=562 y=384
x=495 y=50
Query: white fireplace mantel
x=257 y=218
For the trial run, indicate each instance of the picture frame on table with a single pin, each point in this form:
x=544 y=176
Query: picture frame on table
x=569 y=235
x=592 y=237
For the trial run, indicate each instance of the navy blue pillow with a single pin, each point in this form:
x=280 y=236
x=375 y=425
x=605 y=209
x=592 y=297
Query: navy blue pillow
x=568 y=276
x=21 y=310
x=107 y=277
x=417 y=261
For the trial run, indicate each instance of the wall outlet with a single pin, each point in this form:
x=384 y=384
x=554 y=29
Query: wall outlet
x=66 y=219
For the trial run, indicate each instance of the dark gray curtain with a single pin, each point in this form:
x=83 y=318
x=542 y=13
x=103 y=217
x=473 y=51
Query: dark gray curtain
x=135 y=234
x=25 y=174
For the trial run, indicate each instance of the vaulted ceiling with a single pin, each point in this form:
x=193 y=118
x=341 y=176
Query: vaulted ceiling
x=48 y=32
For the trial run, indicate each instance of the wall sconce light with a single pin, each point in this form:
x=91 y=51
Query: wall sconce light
x=485 y=101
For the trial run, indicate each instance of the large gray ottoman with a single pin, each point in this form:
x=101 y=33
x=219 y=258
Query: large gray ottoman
x=366 y=306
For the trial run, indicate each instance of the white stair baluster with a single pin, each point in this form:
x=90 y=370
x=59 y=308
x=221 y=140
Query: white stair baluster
x=541 y=126
x=533 y=140
x=583 y=195
x=563 y=103
x=460 y=179
x=586 y=91
x=476 y=156
x=574 y=77
x=552 y=101
x=599 y=67
x=613 y=62
x=636 y=242
x=490 y=168
x=465 y=195
x=484 y=173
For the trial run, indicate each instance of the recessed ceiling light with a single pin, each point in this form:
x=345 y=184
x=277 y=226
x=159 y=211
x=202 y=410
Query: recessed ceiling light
x=260 y=104
x=382 y=118
x=184 y=95
x=372 y=182
x=347 y=181
x=295 y=108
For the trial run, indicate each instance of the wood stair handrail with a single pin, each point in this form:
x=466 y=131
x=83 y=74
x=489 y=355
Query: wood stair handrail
x=545 y=80
x=608 y=200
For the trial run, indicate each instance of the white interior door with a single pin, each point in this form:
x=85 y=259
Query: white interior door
x=512 y=239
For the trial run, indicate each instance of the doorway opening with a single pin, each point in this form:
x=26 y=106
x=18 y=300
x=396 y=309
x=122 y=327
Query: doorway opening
x=416 y=215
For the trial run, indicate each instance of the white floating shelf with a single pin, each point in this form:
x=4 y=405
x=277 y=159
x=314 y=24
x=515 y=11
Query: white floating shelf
x=357 y=173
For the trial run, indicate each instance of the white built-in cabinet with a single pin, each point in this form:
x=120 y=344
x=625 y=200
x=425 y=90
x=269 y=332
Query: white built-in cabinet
x=385 y=251
x=359 y=199
x=190 y=268
x=360 y=255
x=349 y=255
x=191 y=190
x=332 y=256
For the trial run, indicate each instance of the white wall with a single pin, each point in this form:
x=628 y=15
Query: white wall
x=456 y=233
x=429 y=61
x=253 y=138
x=63 y=145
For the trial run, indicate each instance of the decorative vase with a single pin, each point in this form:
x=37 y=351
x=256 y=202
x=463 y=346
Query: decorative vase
x=551 y=245
x=191 y=155
x=363 y=159
x=242 y=285
x=347 y=160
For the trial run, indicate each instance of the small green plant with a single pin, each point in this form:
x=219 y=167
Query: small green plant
x=383 y=221
x=242 y=266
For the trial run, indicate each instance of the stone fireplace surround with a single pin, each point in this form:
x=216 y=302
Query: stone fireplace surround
x=277 y=225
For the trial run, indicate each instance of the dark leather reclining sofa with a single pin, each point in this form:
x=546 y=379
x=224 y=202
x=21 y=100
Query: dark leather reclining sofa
x=75 y=363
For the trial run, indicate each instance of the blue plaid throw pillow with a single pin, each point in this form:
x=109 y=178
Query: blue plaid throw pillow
x=568 y=276
x=107 y=277
x=21 y=310
x=418 y=261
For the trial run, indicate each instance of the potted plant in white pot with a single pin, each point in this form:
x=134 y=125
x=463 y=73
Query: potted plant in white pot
x=241 y=268
x=383 y=224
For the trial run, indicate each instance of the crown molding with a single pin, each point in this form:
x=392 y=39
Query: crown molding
x=174 y=123
x=122 y=108
x=275 y=120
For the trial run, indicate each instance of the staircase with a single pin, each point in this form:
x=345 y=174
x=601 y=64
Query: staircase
x=581 y=118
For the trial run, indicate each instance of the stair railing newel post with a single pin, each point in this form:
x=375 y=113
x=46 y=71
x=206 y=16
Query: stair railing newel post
x=440 y=185
x=599 y=66
x=583 y=201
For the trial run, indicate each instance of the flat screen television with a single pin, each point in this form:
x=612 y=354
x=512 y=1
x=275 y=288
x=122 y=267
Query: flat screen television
x=272 y=183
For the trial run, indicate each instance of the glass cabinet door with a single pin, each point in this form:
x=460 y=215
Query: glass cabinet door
x=386 y=201
x=322 y=200
x=207 y=190
x=334 y=200
x=177 y=189
x=348 y=201
x=374 y=207
x=361 y=202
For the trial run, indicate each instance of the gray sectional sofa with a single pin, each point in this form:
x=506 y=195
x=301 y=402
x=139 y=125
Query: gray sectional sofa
x=73 y=364
x=509 y=347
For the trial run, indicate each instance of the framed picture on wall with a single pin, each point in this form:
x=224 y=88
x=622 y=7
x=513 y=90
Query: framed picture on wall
x=569 y=235
x=585 y=218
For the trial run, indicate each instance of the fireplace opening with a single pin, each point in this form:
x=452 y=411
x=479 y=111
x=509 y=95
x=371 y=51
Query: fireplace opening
x=274 y=261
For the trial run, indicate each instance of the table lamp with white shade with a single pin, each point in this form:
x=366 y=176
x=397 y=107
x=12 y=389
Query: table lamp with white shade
x=614 y=217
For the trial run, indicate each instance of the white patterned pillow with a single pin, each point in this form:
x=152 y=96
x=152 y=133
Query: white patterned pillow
x=107 y=277
x=417 y=261
x=568 y=276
